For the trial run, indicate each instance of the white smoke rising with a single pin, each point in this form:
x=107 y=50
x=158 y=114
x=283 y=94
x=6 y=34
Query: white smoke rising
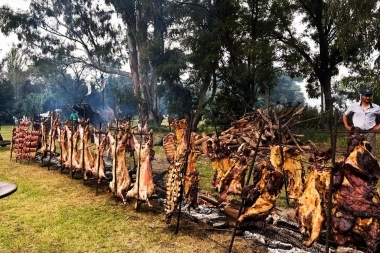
x=89 y=89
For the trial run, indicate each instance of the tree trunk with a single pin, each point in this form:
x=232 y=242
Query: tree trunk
x=145 y=85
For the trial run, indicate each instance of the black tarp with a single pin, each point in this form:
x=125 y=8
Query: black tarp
x=86 y=111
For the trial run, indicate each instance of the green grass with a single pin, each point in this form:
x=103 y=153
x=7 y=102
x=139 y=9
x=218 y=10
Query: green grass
x=51 y=212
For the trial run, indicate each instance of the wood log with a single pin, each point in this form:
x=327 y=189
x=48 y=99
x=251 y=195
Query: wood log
x=209 y=199
x=202 y=140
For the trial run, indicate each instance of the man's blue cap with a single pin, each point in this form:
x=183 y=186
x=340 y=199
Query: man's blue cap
x=367 y=92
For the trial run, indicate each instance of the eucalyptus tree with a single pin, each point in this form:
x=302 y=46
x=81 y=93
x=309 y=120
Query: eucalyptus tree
x=146 y=22
x=315 y=37
x=229 y=53
x=90 y=33
x=17 y=70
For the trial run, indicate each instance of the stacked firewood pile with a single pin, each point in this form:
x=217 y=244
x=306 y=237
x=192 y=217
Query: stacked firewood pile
x=25 y=142
x=232 y=150
x=245 y=131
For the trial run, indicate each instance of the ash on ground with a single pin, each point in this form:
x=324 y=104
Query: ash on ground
x=280 y=238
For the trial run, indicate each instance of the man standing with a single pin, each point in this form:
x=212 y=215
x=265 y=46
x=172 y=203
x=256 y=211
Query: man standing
x=74 y=119
x=364 y=117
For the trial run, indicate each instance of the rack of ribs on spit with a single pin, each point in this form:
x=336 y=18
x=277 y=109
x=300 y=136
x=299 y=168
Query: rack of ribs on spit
x=232 y=182
x=48 y=139
x=63 y=143
x=52 y=135
x=44 y=138
x=86 y=160
x=191 y=180
x=72 y=154
x=176 y=145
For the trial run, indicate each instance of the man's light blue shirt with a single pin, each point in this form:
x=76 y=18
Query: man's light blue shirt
x=365 y=120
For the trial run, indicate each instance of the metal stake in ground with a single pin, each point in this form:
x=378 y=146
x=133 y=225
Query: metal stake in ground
x=71 y=149
x=30 y=140
x=51 y=138
x=254 y=155
x=282 y=163
x=249 y=177
x=83 y=156
x=99 y=136
x=329 y=205
x=183 y=173
x=115 y=154
x=138 y=173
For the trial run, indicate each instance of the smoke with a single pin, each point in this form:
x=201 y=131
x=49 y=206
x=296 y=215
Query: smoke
x=89 y=88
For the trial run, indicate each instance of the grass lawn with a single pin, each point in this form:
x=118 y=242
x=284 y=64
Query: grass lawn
x=51 y=212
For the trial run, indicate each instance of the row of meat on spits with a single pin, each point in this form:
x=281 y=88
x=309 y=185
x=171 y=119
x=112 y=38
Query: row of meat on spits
x=355 y=210
x=78 y=155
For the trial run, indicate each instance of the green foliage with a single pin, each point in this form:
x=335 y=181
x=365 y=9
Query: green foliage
x=178 y=100
x=227 y=107
x=30 y=105
x=122 y=88
x=336 y=31
x=6 y=101
x=228 y=49
x=230 y=55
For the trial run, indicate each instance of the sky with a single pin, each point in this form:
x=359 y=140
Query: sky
x=7 y=42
